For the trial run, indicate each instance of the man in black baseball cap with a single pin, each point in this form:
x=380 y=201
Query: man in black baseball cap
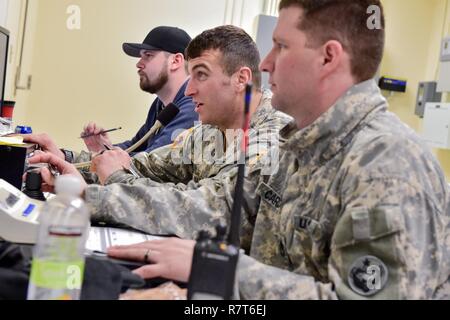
x=161 y=70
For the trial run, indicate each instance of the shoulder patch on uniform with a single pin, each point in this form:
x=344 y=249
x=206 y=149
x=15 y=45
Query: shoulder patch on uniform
x=368 y=275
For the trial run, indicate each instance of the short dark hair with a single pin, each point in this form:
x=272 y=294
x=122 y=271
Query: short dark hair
x=237 y=47
x=345 y=21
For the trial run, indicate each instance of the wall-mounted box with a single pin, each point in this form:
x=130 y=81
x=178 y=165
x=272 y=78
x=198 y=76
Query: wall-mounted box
x=436 y=125
x=426 y=92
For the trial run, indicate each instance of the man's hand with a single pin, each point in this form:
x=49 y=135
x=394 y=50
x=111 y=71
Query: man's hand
x=45 y=142
x=170 y=258
x=95 y=143
x=109 y=162
x=166 y=291
x=63 y=167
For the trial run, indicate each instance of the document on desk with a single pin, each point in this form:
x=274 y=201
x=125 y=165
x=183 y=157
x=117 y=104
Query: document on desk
x=100 y=239
x=6 y=127
x=11 y=141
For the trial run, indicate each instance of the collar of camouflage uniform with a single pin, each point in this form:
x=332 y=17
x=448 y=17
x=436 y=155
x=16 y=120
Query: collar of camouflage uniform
x=335 y=128
x=263 y=110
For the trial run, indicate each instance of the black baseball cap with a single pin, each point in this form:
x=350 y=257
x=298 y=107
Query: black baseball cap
x=170 y=39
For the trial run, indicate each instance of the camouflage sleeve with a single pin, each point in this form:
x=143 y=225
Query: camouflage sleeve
x=390 y=240
x=166 y=164
x=82 y=156
x=257 y=281
x=175 y=209
x=88 y=176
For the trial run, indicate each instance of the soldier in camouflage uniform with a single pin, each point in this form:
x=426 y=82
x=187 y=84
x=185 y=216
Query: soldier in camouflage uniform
x=230 y=58
x=146 y=204
x=359 y=208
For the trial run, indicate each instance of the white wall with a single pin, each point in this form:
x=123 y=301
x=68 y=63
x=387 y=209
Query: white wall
x=83 y=75
x=414 y=30
x=15 y=24
x=3 y=12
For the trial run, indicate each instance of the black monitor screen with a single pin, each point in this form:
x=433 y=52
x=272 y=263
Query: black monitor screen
x=4 y=37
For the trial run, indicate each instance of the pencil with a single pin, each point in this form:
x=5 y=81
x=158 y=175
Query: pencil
x=101 y=132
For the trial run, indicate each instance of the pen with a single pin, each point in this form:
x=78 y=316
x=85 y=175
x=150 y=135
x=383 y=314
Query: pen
x=131 y=169
x=101 y=132
x=107 y=148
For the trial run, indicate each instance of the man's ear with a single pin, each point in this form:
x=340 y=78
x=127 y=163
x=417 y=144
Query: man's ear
x=332 y=57
x=243 y=77
x=176 y=61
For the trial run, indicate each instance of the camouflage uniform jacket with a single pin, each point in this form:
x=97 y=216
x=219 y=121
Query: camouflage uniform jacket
x=189 y=202
x=359 y=209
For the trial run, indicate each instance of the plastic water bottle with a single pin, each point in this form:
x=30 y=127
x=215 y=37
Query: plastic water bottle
x=58 y=257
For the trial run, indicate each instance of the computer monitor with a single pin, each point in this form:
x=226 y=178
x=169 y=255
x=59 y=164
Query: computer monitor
x=4 y=41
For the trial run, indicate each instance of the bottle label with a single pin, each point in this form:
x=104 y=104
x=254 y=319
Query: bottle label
x=57 y=274
x=62 y=266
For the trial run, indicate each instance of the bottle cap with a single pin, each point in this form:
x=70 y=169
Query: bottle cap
x=68 y=184
x=23 y=130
